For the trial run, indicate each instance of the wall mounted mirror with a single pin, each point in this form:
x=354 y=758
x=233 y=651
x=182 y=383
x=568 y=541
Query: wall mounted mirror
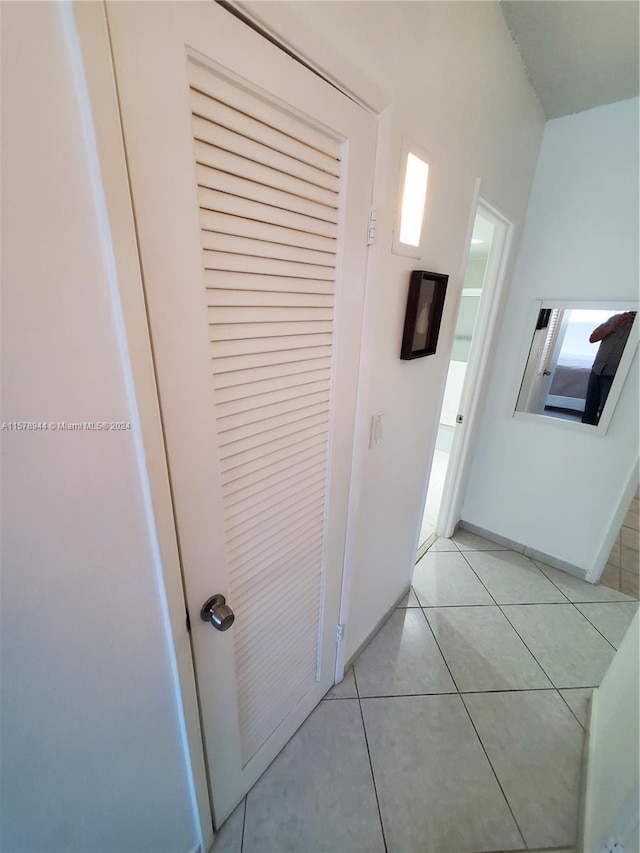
x=578 y=360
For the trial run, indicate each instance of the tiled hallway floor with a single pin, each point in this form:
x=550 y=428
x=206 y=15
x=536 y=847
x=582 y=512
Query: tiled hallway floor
x=461 y=725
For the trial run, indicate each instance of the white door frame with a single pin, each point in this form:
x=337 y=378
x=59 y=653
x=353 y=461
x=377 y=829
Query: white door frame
x=89 y=46
x=481 y=346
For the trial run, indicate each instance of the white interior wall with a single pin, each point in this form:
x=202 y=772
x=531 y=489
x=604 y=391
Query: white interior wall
x=552 y=489
x=93 y=757
x=613 y=789
x=457 y=88
x=91 y=728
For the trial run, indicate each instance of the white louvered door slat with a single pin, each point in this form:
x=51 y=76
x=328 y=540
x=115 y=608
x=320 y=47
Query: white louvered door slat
x=255 y=442
x=267 y=194
x=234 y=461
x=256 y=429
x=247 y=169
x=239 y=226
x=250 y=169
x=258 y=528
x=214 y=201
x=226 y=139
x=252 y=247
x=258 y=119
x=251 y=181
x=256 y=375
x=253 y=419
x=248 y=519
x=220 y=296
x=274 y=359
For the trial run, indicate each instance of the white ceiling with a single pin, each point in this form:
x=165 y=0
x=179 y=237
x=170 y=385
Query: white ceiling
x=578 y=54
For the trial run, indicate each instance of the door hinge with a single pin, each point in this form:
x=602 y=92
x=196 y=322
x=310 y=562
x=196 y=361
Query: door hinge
x=371 y=226
x=339 y=633
x=459 y=419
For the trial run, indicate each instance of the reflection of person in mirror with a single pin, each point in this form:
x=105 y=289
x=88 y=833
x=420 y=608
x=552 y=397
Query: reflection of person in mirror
x=613 y=336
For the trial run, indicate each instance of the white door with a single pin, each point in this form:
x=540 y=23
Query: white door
x=549 y=360
x=474 y=378
x=251 y=179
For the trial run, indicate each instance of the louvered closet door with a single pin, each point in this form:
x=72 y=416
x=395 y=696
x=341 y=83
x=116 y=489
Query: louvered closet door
x=251 y=180
x=269 y=193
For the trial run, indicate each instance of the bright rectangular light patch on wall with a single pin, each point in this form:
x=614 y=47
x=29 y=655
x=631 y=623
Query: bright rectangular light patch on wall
x=414 y=196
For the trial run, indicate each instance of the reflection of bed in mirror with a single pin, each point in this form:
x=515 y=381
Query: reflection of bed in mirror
x=569 y=384
x=561 y=355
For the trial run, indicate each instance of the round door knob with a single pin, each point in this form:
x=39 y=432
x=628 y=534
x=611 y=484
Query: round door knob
x=217 y=611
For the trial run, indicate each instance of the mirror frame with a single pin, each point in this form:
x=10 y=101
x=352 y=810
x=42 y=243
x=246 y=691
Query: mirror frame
x=615 y=307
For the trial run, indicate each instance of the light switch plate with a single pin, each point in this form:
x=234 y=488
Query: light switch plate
x=377 y=429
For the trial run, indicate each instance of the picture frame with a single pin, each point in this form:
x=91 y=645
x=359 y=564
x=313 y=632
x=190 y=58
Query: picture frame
x=425 y=304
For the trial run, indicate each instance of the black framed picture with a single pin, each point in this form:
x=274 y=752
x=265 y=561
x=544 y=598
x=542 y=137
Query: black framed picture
x=425 y=304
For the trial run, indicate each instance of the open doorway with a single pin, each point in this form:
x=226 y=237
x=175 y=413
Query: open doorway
x=476 y=317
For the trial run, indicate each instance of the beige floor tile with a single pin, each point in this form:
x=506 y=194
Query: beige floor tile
x=229 y=837
x=578 y=699
x=565 y=644
x=410 y=600
x=402 y=659
x=444 y=579
x=483 y=651
x=512 y=578
x=610 y=576
x=346 y=689
x=436 y=788
x=629 y=559
x=614 y=556
x=612 y=619
x=318 y=794
x=629 y=584
x=577 y=590
x=630 y=538
x=535 y=746
x=442 y=544
x=632 y=518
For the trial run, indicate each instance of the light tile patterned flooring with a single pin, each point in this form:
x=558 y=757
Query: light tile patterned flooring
x=460 y=727
x=623 y=566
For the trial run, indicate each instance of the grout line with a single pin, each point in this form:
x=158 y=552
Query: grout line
x=534 y=564
x=551 y=579
x=532 y=850
x=475 y=729
x=401 y=695
x=532 y=604
x=513 y=690
x=568 y=705
x=553 y=687
x=457 y=692
x=244 y=820
x=494 y=773
x=524 y=643
x=501 y=608
x=584 y=615
x=435 y=639
x=373 y=778
x=452 y=606
x=480 y=579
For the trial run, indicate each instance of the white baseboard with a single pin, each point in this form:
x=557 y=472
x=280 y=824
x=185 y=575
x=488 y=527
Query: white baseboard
x=521 y=548
x=352 y=658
